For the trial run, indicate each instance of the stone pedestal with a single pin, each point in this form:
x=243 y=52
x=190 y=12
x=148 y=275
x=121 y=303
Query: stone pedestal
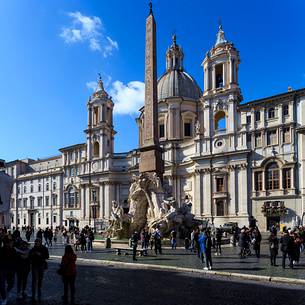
x=151 y=160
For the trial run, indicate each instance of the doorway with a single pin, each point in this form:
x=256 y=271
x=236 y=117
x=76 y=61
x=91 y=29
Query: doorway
x=273 y=220
x=32 y=220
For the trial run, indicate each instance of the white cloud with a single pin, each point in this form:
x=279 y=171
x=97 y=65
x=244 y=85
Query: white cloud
x=91 y=85
x=85 y=29
x=128 y=99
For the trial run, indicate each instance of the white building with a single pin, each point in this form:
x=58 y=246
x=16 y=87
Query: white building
x=232 y=159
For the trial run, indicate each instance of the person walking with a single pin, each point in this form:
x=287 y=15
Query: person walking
x=8 y=260
x=202 y=243
x=38 y=256
x=205 y=243
x=144 y=241
x=50 y=237
x=208 y=251
x=257 y=238
x=83 y=241
x=273 y=247
x=28 y=234
x=218 y=239
x=157 y=239
x=173 y=236
x=68 y=273
x=134 y=244
x=46 y=237
x=286 y=248
x=23 y=268
x=39 y=234
x=196 y=241
x=90 y=240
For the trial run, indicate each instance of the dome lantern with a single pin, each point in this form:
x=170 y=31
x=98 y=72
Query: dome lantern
x=175 y=82
x=174 y=56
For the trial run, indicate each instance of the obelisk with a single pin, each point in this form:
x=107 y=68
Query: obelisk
x=151 y=153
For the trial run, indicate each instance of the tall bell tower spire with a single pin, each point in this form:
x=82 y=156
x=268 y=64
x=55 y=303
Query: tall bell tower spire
x=151 y=156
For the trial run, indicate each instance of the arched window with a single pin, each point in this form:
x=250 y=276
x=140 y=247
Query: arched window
x=96 y=149
x=219 y=76
x=272 y=176
x=71 y=197
x=95 y=115
x=220 y=120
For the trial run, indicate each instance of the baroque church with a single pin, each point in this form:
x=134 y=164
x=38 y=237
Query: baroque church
x=230 y=159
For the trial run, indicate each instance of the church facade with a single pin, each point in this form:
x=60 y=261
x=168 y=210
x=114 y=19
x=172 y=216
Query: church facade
x=231 y=159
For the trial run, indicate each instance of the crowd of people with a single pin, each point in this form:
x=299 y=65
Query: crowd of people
x=205 y=241
x=291 y=244
x=18 y=260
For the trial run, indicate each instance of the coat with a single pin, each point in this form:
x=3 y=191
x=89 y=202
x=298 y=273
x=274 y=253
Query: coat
x=202 y=243
x=68 y=265
x=273 y=245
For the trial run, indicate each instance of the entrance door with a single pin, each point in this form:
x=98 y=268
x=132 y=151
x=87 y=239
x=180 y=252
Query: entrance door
x=273 y=220
x=71 y=223
x=32 y=219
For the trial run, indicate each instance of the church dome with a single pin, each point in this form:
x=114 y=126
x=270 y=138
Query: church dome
x=175 y=82
x=178 y=84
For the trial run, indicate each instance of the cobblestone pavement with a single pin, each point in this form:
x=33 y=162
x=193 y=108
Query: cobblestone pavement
x=109 y=285
x=101 y=284
x=229 y=261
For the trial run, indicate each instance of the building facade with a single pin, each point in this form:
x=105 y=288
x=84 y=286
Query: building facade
x=231 y=159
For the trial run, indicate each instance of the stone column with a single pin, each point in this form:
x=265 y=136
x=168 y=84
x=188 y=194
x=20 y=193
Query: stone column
x=243 y=191
x=87 y=204
x=213 y=77
x=109 y=197
x=207 y=204
x=84 y=203
x=231 y=70
x=89 y=116
x=232 y=191
x=102 y=201
x=198 y=204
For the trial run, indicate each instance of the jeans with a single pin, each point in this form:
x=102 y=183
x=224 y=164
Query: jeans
x=218 y=247
x=273 y=259
x=37 y=277
x=69 y=282
x=158 y=246
x=208 y=259
x=89 y=245
x=174 y=243
x=284 y=256
x=22 y=278
x=134 y=252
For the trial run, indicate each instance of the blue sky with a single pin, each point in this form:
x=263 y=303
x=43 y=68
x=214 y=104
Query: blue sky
x=51 y=52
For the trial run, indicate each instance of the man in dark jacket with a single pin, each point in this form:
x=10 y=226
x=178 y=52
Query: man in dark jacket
x=38 y=256
x=208 y=250
x=8 y=259
x=286 y=248
x=134 y=244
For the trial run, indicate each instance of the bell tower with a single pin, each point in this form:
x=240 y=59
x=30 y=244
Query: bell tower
x=100 y=132
x=221 y=90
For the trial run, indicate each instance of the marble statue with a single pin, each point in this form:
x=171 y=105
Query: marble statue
x=148 y=208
